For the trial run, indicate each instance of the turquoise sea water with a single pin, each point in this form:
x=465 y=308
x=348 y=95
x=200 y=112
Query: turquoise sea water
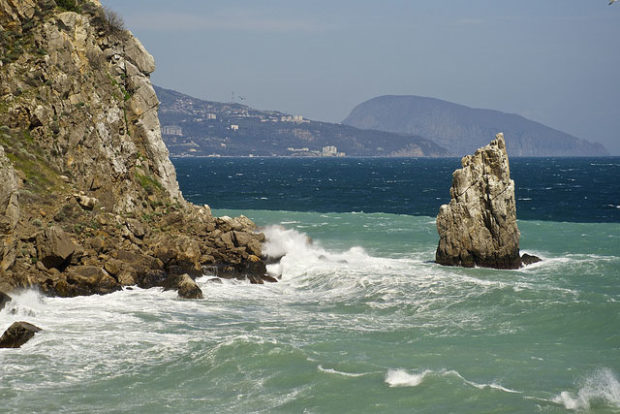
x=361 y=321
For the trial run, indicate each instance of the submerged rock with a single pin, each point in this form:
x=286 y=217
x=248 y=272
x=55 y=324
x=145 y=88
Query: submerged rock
x=18 y=334
x=479 y=226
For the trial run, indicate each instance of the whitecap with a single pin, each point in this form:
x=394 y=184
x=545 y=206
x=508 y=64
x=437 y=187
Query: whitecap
x=344 y=374
x=602 y=387
x=401 y=378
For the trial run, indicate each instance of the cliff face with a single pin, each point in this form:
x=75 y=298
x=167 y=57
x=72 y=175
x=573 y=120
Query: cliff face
x=479 y=226
x=86 y=178
x=77 y=89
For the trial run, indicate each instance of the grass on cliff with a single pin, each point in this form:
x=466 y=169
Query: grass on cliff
x=38 y=175
x=150 y=184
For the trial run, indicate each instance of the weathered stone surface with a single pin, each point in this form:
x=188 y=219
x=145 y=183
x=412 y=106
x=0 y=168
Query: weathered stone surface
x=54 y=247
x=9 y=212
x=89 y=199
x=80 y=281
x=136 y=227
x=18 y=334
x=185 y=285
x=528 y=259
x=85 y=201
x=479 y=226
x=179 y=254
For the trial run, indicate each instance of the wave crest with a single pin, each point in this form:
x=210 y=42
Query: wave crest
x=601 y=388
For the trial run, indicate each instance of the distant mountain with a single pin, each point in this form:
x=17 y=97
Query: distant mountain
x=194 y=127
x=463 y=129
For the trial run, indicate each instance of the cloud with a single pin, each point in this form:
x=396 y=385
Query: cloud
x=227 y=20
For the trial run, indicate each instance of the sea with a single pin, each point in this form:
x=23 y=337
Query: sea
x=362 y=319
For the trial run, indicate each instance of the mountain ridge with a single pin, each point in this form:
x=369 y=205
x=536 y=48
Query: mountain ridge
x=197 y=127
x=463 y=129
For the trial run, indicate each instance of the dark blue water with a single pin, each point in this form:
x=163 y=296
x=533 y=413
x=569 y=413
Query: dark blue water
x=555 y=189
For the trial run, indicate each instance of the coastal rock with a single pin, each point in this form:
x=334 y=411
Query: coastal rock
x=185 y=285
x=18 y=334
x=528 y=259
x=93 y=279
x=4 y=299
x=179 y=254
x=86 y=202
x=9 y=211
x=89 y=200
x=479 y=226
x=54 y=247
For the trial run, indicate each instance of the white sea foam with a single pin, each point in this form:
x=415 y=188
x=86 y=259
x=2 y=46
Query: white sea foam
x=599 y=389
x=402 y=378
x=344 y=374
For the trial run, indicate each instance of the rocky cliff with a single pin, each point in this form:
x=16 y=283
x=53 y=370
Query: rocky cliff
x=89 y=200
x=479 y=226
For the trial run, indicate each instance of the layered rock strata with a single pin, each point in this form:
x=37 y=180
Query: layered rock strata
x=89 y=200
x=479 y=226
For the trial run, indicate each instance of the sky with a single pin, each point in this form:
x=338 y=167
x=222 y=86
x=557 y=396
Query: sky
x=552 y=61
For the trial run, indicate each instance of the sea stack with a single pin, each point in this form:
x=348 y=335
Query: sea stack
x=479 y=226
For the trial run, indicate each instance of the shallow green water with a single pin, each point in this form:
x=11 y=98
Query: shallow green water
x=362 y=321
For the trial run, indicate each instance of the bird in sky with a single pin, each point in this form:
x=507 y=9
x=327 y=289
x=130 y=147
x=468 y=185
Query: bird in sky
x=612 y=2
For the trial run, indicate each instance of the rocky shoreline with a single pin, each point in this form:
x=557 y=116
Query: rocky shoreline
x=89 y=201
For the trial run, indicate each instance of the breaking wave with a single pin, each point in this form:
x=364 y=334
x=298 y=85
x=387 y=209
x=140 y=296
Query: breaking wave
x=601 y=389
x=402 y=378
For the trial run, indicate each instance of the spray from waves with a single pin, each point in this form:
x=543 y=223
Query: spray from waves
x=402 y=378
x=25 y=303
x=301 y=257
x=599 y=389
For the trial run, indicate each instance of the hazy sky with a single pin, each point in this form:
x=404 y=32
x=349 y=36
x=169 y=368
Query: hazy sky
x=553 y=61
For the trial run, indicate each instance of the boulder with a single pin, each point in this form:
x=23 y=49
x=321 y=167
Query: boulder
x=54 y=247
x=185 y=286
x=86 y=202
x=140 y=269
x=136 y=227
x=528 y=259
x=179 y=253
x=18 y=334
x=4 y=299
x=88 y=280
x=479 y=226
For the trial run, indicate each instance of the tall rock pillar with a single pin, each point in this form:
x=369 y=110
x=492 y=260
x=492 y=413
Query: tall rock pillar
x=479 y=226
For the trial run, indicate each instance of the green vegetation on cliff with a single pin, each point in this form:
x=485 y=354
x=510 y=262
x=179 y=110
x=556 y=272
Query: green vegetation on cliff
x=89 y=201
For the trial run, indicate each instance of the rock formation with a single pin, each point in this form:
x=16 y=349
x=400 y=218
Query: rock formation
x=184 y=285
x=18 y=334
x=4 y=299
x=89 y=200
x=479 y=226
